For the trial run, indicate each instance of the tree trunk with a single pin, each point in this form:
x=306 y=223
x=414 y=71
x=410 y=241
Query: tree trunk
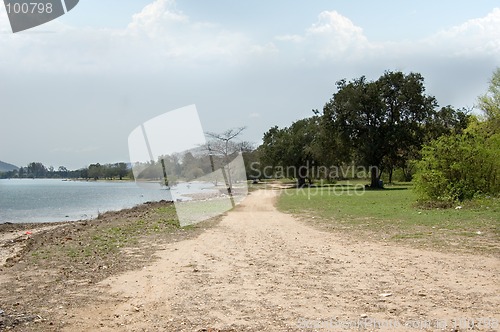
x=301 y=182
x=407 y=174
x=301 y=177
x=375 y=178
x=390 y=175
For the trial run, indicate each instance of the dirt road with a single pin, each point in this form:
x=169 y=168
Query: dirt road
x=262 y=270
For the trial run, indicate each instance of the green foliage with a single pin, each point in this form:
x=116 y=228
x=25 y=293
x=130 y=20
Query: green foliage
x=253 y=167
x=107 y=171
x=293 y=148
x=95 y=171
x=381 y=123
x=36 y=170
x=489 y=103
x=465 y=165
x=461 y=166
x=378 y=124
x=446 y=121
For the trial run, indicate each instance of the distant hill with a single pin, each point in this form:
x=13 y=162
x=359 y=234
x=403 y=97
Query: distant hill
x=5 y=167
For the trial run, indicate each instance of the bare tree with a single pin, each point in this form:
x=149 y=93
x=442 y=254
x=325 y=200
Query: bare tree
x=224 y=146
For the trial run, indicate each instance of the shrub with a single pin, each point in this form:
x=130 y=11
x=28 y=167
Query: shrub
x=459 y=167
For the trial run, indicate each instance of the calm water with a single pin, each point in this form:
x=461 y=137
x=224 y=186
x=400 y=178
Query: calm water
x=44 y=200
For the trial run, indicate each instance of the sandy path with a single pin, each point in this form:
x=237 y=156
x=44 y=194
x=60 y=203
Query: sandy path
x=262 y=270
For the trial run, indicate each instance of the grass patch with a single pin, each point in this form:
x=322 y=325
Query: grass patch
x=108 y=237
x=392 y=214
x=106 y=241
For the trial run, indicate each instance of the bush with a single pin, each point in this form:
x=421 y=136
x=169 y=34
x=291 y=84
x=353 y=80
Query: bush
x=459 y=167
x=462 y=166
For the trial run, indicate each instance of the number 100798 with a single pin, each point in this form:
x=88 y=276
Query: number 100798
x=29 y=8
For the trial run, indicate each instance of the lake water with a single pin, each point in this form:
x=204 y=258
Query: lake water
x=50 y=200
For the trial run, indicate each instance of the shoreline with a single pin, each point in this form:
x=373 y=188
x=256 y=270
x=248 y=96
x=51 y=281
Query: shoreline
x=88 y=208
x=9 y=226
x=71 y=179
x=15 y=238
x=46 y=263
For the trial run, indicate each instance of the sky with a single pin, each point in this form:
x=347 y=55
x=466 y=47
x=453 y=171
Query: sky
x=72 y=90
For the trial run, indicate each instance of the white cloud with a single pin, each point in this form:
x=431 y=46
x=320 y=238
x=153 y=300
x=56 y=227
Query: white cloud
x=173 y=35
x=334 y=24
x=333 y=37
x=156 y=17
x=480 y=36
x=336 y=36
x=158 y=37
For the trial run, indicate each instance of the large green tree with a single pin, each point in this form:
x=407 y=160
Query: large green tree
x=292 y=149
x=446 y=121
x=96 y=171
x=378 y=123
x=36 y=170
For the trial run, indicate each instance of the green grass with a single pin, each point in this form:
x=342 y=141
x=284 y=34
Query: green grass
x=392 y=214
x=107 y=237
x=112 y=237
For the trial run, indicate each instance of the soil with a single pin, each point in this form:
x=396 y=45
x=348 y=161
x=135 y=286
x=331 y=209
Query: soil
x=257 y=269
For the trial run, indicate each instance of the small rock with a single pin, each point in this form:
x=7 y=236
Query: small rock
x=363 y=316
x=458 y=207
x=479 y=232
x=385 y=294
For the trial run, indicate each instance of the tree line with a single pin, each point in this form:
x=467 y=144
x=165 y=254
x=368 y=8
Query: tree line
x=392 y=124
x=37 y=170
x=220 y=150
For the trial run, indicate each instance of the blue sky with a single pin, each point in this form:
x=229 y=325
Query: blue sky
x=72 y=90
